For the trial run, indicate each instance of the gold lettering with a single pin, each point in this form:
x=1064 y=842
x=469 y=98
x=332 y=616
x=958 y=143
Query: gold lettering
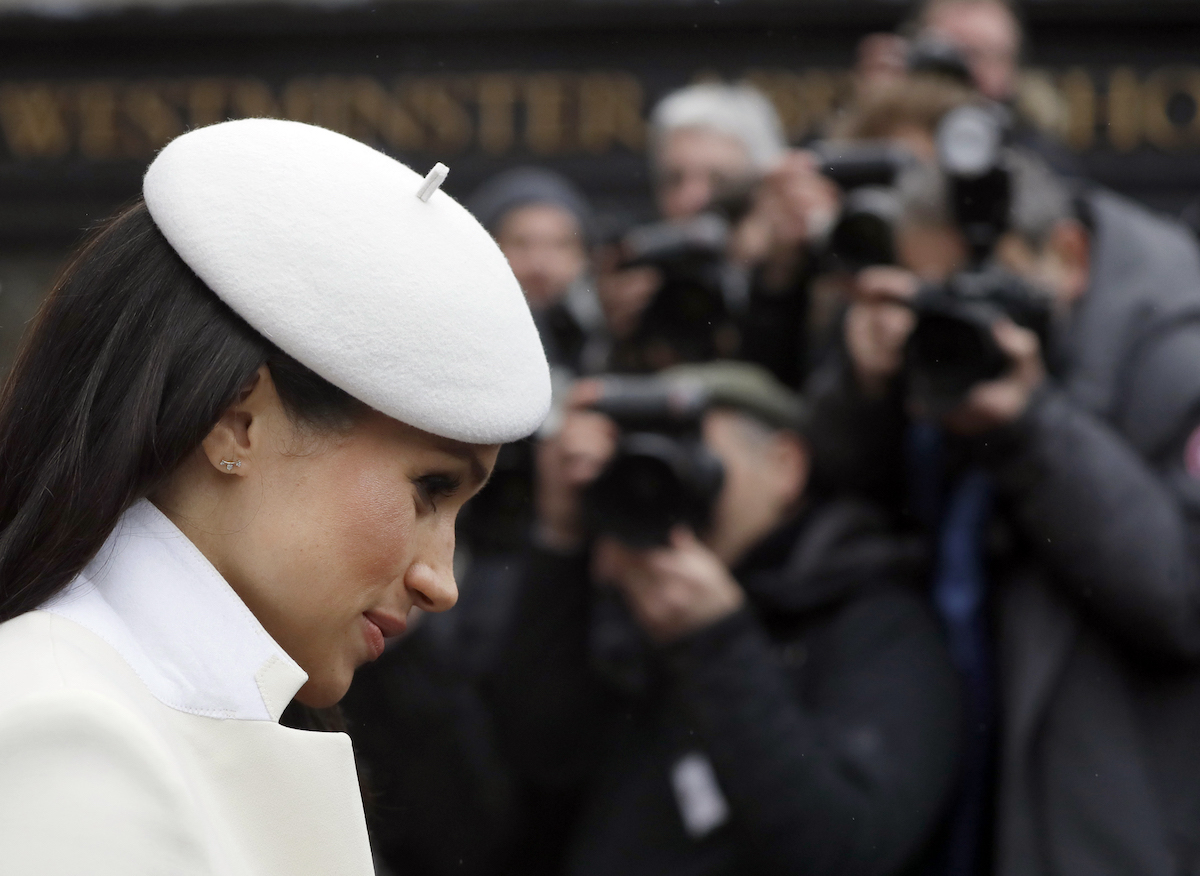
x=1159 y=89
x=610 y=111
x=206 y=102
x=253 y=99
x=497 y=97
x=32 y=119
x=786 y=92
x=298 y=100
x=1124 y=110
x=545 y=107
x=98 y=121
x=1079 y=92
x=822 y=89
x=377 y=114
x=156 y=120
x=447 y=120
x=331 y=105
x=802 y=100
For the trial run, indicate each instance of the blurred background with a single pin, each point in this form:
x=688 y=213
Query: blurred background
x=90 y=89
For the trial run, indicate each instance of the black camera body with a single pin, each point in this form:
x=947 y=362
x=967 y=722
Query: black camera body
x=661 y=475
x=689 y=310
x=952 y=347
x=853 y=165
x=863 y=234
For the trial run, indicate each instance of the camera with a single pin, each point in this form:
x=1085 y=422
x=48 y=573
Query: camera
x=661 y=475
x=863 y=234
x=689 y=316
x=854 y=165
x=952 y=347
x=934 y=57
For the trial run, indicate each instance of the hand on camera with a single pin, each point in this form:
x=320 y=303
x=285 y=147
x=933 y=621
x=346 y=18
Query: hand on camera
x=878 y=324
x=624 y=292
x=793 y=204
x=566 y=463
x=1002 y=401
x=673 y=590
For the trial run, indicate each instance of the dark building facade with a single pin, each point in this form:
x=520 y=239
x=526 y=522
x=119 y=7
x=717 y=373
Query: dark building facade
x=85 y=102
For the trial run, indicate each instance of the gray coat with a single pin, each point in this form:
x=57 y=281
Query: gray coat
x=1098 y=615
x=1095 y=562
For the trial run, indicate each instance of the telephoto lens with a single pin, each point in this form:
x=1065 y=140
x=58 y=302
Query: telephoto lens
x=952 y=347
x=661 y=475
x=864 y=234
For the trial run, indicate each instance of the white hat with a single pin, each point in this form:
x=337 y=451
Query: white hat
x=323 y=245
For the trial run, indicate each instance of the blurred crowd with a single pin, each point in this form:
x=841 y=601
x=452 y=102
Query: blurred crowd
x=862 y=538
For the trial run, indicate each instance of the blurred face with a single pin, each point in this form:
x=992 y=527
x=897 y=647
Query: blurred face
x=544 y=245
x=932 y=252
x=694 y=164
x=765 y=474
x=1061 y=266
x=330 y=540
x=988 y=37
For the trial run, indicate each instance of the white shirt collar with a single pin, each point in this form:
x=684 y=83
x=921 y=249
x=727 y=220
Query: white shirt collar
x=154 y=597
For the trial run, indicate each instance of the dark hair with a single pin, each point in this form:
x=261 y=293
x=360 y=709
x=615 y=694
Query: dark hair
x=128 y=365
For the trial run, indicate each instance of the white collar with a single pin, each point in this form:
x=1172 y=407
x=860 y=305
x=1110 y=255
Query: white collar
x=154 y=597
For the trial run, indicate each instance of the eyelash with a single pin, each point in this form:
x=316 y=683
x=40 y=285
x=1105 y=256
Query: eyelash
x=434 y=487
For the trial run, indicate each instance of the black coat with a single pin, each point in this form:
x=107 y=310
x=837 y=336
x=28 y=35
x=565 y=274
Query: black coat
x=439 y=798
x=1095 y=558
x=827 y=710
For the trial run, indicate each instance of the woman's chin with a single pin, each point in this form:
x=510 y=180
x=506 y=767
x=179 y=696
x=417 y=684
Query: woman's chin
x=322 y=693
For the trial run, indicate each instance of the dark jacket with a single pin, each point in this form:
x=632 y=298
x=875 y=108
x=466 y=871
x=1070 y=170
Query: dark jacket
x=439 y=798
x=1097 y=603
x=826 y=710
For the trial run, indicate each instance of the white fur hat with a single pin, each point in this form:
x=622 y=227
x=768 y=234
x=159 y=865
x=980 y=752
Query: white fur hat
x=322 y=244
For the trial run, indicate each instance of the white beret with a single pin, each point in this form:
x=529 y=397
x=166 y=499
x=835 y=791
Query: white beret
x=322 y=245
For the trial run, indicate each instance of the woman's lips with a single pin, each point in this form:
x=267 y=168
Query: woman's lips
x=377 y=627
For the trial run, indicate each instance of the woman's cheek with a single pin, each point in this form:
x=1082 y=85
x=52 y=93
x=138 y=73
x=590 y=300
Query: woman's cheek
x=377 y=515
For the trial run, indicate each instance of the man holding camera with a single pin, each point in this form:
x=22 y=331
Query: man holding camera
x=1089 y=451
x=760 y=693
x=725 y=272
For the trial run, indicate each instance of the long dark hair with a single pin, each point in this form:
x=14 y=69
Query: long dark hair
x=128 y=365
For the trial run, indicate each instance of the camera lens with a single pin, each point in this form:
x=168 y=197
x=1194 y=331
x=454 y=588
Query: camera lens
x=654 y=483
x=949 y=352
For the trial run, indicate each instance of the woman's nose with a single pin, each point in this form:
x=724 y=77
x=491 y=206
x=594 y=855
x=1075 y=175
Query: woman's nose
x=432 y=589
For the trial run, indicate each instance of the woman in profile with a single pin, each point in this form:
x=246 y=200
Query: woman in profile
x=231 y=454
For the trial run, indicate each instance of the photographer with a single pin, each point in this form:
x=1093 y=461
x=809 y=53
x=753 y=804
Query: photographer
x=763 y=695
x=545 y=227
x=1089 y=561
x=979 y=44
x=744 y=210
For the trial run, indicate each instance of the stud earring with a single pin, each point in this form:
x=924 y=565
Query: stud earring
x=230 y=466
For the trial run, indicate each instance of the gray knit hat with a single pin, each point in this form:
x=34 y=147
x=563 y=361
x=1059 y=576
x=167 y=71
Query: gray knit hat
x=521 y=186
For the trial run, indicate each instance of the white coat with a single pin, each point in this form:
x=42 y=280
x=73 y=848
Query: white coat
x=139 y=730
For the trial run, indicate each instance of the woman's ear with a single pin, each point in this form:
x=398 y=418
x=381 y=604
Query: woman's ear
x=231 y=444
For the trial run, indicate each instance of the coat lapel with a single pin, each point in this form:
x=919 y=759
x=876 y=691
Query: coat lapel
x=290 y=798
